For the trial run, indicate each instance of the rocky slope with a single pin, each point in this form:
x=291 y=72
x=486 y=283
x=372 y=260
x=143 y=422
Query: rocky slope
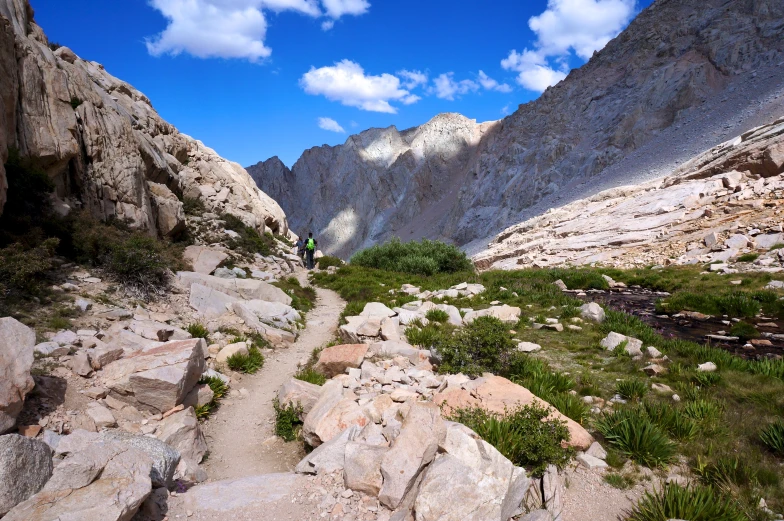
x=102 y=143
x=683 y=77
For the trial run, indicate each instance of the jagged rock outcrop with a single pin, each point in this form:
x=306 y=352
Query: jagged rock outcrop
x=102 y=143
x=683 y=77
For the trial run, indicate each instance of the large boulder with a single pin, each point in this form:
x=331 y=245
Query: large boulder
x=336 y=359
x=25 y=467
x=103 y=482
x=499 y=395
x=17 y=343
x=470 y=481
x=415 y=447
x=276 y=336
x=504 y=313
x=203 y=259
x=157 y=378
x=182 y=432
x=276 y=314
x=332 y=414
x=163 y=456
x=247 y=289
x=613 y=340
x=362 y=467
x=210 y=303
x=593 y=312
x=330 y=456
x=294 y=391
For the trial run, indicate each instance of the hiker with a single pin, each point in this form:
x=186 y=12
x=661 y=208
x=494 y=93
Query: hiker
x=301 y=248
x=310 y=250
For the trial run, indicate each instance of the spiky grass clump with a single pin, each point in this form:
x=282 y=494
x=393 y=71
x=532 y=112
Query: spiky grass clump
x=288 y=423
x=310 y=375
x=249 y=364
x=634 y=435
x=773 y=437
x=672 y=420
x=197 y=330
x=632 y=389
x=703 y=411
x=218 y=386
x=695 y=503
x=571 y=406
x=437 y=315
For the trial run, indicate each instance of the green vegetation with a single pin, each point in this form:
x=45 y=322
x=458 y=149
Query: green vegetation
x=744 y=331
x=437 y=315
x=249 y=364
x=249 y=241
x=417 y=258
x=523 y=435
x=773 y=437
x=287 y=420
x=634 y=435
x=748 y=257
x=310 y=375
x=632 y=389
x=302 y=299
x=197 y=330
x=193 y=206
x=695 y=503
x=619 y=481
x=219 y=390
x=327 y=260
x=75 y=102
x=776 y=246
x=484 y=345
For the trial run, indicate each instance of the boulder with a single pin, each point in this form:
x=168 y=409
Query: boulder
x=504 y=313
x=362 y=468
x=707 y=367
x=239 y=348
x=104 y=482
x=470 y=481
x=80 y=364
x=101 y=416
x=209 y=303
x=528 y=347
x=277 y=337
x=220 y=499
x=182 y=432
x=376 y=309
x=331 y=415
x=157 y=378
x=203 y=259
x=393 y=348
x=273 y=313
x=497 y=394
x=199 y=396
x=415 y=447
x=17 y=342
x=164 y=459
x=247 y=289
x=390 y=328
x=593 y=312
x=295 y=391
x=25 y=467
x=613 y=340
x=330 y=456
x=336 y=359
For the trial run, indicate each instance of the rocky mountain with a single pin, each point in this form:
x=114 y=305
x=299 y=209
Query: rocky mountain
x=683 y=77
x=102 y=143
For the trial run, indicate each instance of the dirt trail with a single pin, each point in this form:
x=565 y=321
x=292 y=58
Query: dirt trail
x=241 y=433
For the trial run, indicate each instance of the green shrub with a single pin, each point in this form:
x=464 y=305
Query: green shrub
x=632 y=433
x=695 y=503
x=736 y=304
x=218 y=387
x=302 y=299
x=437 y=315
x=23 y=270
x=327 y=261
x=671 y=419
x=726 y=472
x=249 y=364
x=706 y=379
x=773 y=437
x=524 y=435
x=249 y=241
x=484 y=345
x=570 y=405
x=579 y=279
x=703 y=411
x=632 y=389
x=203 y=411
x=744 y=331
x=748 y=257
x=768 y=367
x=618 y=481
x=310 y=375
x=287 y=420
x=544 y=383
x=776 y=246
x=429 y=335
x=193 y=206
x=417 y=258
x=569 y=312
x=140 y=264
x=197 y=330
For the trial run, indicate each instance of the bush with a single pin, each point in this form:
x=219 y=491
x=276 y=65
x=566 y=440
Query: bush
x=773 y=437
x=695 y=503
x=748 y=257
x=632 y=433
x=193 y=206
x=327 y=260
x=736 y=304
x=249 y=241
x=249 y=364
x=744 y=331
x=287 y=420
x=632 y=389
x=524 y=435
x=302 y=299
x=484 y=345
x=437 y=315
x=417 y=258
x=140 y=263
x=428 y=336
x=197 y=330
x=310 y=375
x=23 y=270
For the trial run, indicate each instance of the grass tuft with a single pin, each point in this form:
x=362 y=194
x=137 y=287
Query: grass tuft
x=249 y=364
x=287 y=420
x=694 y=503
x=197 y=330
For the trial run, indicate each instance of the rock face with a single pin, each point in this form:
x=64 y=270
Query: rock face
x=103 y=144
x=17 y=343
x=650 y=99
x=25 y=467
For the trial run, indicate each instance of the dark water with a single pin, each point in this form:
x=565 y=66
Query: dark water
x=642 y=303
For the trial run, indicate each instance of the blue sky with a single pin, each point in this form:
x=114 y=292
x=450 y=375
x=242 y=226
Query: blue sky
x=257 y=78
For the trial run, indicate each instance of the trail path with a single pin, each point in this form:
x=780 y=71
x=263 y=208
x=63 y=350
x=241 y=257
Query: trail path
x=241 y=433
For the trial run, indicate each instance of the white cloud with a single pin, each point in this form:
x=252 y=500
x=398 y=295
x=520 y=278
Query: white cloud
x=505 y=109
x=326 y=25
x=445 y=86
x=413 y=78
x=233 y=28
x=490 y=84
x=567 y=26
x=347 y=83
x=331 y=125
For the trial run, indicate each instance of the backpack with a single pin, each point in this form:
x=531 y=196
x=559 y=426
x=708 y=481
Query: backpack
x=311 y=245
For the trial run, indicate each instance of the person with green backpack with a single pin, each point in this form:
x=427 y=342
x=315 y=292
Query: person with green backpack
x=310 y=249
